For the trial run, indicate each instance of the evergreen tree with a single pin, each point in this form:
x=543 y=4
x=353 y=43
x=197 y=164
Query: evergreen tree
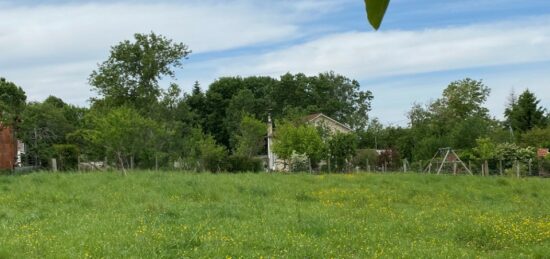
x=525 y=113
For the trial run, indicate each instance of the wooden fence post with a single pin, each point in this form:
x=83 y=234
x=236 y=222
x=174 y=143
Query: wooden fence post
x=54 y=165
x=517 y=168
x=530 y=166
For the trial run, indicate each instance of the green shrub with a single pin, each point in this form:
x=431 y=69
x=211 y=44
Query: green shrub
x=213 y=157
x=545 y=164
x=239 y=163
x=299 y=162
x=67 y=157
x=364 y=156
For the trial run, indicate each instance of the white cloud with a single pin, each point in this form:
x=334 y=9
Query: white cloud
x=51 y=49
x=368 y=55
x=394 y=97
x=51 y=32
x=40 y=44
x=478 y=51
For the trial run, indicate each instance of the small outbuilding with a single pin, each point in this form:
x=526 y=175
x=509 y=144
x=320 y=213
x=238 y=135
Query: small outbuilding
x=8 y=148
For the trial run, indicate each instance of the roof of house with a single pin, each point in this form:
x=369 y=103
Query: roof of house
x=314 y=116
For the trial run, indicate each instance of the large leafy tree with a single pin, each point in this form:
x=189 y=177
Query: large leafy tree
x=250 y=137
x=132 y=73
x=291 y=96
x=12 y=102
x=46 y=124
x=455 y=120
x=485 y=150
x=465 y=98
x=334 y=95
x=301 y=139
x=537 y=137
x=123 y=133
x=227 y=100
x=525 y=113
x=342 y=148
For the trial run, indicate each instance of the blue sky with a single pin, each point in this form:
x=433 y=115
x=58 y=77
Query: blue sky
x=51 y=47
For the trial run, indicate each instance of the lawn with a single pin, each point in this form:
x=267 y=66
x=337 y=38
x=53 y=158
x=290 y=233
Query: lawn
x=151 y=214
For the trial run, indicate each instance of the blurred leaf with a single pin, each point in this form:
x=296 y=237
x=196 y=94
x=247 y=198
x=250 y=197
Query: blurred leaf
x=375 y=11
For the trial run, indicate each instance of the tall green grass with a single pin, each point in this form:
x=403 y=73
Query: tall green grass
x=151 y=214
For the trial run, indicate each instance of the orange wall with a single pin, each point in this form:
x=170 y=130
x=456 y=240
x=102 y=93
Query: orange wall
x=8 y=149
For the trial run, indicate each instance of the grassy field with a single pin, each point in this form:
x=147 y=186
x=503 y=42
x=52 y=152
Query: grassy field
x=148 y=214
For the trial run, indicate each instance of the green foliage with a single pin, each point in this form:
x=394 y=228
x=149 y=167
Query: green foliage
x=291 y=97
x=464 y=99
x=525 y=113
x=123 y=133
x=537 y=137
x=212 y=156
x=299 y=162
x=341 y=148
x=130 y=76
x=545 y=164
x=509 y=153
x=67 y=157
x=485 y=149
x=46 y=124
x=376 y=9
x=250 y=137
x=455 y=120
x=200 y=152
x=302 y=139
x=390 y=159
x=186 y=215
x=240 y=163
x=365 y=158
x=12 y=102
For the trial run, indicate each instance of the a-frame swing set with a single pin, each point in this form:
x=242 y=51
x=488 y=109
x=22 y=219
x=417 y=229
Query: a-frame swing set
x=446 y=157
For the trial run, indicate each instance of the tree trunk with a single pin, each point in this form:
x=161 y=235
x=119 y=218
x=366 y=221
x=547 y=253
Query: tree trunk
x=121 y=163
x=482 y=170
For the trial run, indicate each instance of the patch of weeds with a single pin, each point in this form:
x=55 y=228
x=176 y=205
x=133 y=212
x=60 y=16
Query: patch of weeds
x=503 y=182
x=254 y=191
x=477 y=236
x=155 y=208
x=519 y=191
x=4 y=215
x=229 y=212
x=314 y=226
x=4 y=254
x=6 y=180
x=304 y=197
x=38 y=180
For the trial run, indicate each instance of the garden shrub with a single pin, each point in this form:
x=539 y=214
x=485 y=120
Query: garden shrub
x=67 y=157
x=239 y=163
x=299 y=162
x=363 y=156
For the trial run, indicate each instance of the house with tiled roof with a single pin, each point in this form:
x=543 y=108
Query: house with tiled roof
x=321 y=120
x=317 y=120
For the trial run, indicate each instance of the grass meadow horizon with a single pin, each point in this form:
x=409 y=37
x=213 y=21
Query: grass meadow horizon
x=201 y=215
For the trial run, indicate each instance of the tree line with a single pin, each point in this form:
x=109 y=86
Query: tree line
x=140 y=118
x=135 y=122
